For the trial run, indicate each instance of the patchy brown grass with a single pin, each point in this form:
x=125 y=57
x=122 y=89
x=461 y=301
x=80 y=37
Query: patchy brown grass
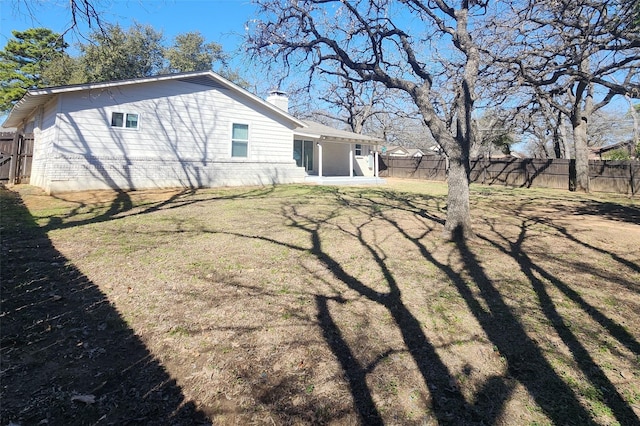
x=308 y=304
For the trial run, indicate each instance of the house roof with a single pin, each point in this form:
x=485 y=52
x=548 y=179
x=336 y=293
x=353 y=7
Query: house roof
x=415 y=152
x=408 y=152
x=316 y=130
x=403 y=151
x=602 y=149
x=36 y=97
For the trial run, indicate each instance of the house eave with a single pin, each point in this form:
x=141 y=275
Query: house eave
x=298 y=134
x=319 y=137
x=321 y=132
x=351 y=140
x=25 y=107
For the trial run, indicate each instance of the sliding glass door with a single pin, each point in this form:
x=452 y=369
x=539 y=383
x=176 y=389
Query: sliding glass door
x=303 y=154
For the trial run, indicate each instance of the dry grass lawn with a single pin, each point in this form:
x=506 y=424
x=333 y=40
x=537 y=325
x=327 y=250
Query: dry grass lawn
x=325 y=305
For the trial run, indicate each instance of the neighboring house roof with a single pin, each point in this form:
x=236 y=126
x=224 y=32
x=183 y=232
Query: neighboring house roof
x=401 y=151
x=625 y=145
x=388 y=148
x=320 y=131
x=36 y=97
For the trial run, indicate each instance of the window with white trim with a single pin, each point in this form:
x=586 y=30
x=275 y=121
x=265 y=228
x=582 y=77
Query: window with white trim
x=358 y=150
x=240 y=140
x=124 y=120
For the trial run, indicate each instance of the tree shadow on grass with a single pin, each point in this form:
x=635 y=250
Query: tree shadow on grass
x=355 y=373
x=68 y=357
x=447 y=401
x=531 y=269
x=605 y=210
x=122 y=205
x=594 y=373
x=525 y=359
x=610 y=210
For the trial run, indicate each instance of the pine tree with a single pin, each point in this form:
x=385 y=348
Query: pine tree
x=23 y=60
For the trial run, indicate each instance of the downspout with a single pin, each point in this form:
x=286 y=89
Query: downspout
x=319 y=159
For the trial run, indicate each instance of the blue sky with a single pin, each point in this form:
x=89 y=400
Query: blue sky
x=220 y=21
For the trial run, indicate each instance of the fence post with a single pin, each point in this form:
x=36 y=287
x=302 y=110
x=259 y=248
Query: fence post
x=632 y=173
x=15 y=161
x=485 y=165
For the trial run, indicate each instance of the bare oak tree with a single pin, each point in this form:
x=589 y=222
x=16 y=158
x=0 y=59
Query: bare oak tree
x=87 y=12
x=356 y=104
x=403 y=45
x=544 y=130
x=575 y=56
x=372 y=109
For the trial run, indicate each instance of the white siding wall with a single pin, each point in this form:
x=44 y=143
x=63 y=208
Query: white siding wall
x=44 y=133
x=365 y=164
x=335 y=159
x=362 y=166
x=183 y=139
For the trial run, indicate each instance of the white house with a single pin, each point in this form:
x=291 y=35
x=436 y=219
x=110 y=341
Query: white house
x=178 y=130
x=401 y=151
x=325 y=151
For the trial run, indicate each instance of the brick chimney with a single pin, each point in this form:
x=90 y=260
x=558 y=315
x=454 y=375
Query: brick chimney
x=279 y=99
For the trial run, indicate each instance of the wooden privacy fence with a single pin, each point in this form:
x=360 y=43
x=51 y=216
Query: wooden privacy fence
x=605 y=176
x=6 y=147
x=16 y=153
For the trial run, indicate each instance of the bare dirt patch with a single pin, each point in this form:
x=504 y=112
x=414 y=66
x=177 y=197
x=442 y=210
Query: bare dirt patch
x=305 y=304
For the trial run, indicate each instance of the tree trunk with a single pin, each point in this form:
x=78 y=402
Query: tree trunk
x=580 y=116
x=563 y=136
x=582 y=154
x=636 y=126
x=458 y=224
x=558 y=136
x=556 y=146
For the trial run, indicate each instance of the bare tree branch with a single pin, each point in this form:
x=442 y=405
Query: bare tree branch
x=367 y=41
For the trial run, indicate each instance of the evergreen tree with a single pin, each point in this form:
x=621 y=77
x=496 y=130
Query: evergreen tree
x=23 y=60
x=191 y=53
x=116 y=54
x=64 y=70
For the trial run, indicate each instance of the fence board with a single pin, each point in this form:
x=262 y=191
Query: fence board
x=605 y=176
x=25 y=158
x=24 y=152
x=6 y=145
